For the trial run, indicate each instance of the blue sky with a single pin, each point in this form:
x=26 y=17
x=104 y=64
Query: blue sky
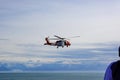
x=24 y=24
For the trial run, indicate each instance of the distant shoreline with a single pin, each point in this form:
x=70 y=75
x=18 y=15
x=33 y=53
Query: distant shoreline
x=52 y=71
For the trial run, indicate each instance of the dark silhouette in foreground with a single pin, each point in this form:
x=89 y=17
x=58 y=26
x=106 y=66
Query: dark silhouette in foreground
x=113 y=70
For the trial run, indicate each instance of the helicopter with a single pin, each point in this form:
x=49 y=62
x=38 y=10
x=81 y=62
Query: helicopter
x=60 y=42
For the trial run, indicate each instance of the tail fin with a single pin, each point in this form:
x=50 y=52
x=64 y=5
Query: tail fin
x=47 y=41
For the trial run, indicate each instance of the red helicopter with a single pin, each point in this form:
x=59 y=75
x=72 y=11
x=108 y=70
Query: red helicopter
x=61 y=42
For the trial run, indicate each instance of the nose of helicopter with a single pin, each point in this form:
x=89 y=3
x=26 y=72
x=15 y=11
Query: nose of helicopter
x=68 y=43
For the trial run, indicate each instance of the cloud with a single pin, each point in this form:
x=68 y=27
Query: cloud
x=69 y=59
x=62 y=56
x=101 y=55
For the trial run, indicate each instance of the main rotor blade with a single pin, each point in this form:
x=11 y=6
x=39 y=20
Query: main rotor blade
x=54 y=39
x=74 y=37
x=65 y=38
x=58 y=37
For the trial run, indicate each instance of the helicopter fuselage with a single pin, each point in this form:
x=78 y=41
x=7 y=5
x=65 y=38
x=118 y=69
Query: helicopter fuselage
x=59 y=43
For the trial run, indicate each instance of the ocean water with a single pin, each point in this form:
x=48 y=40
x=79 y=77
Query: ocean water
x=52 y=76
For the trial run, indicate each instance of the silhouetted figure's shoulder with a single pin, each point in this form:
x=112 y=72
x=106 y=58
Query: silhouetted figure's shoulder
x=115 y=67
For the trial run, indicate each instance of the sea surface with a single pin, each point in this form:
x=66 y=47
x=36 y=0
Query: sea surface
x=53 y=76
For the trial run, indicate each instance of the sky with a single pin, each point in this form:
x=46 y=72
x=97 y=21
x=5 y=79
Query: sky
x=24 y=25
